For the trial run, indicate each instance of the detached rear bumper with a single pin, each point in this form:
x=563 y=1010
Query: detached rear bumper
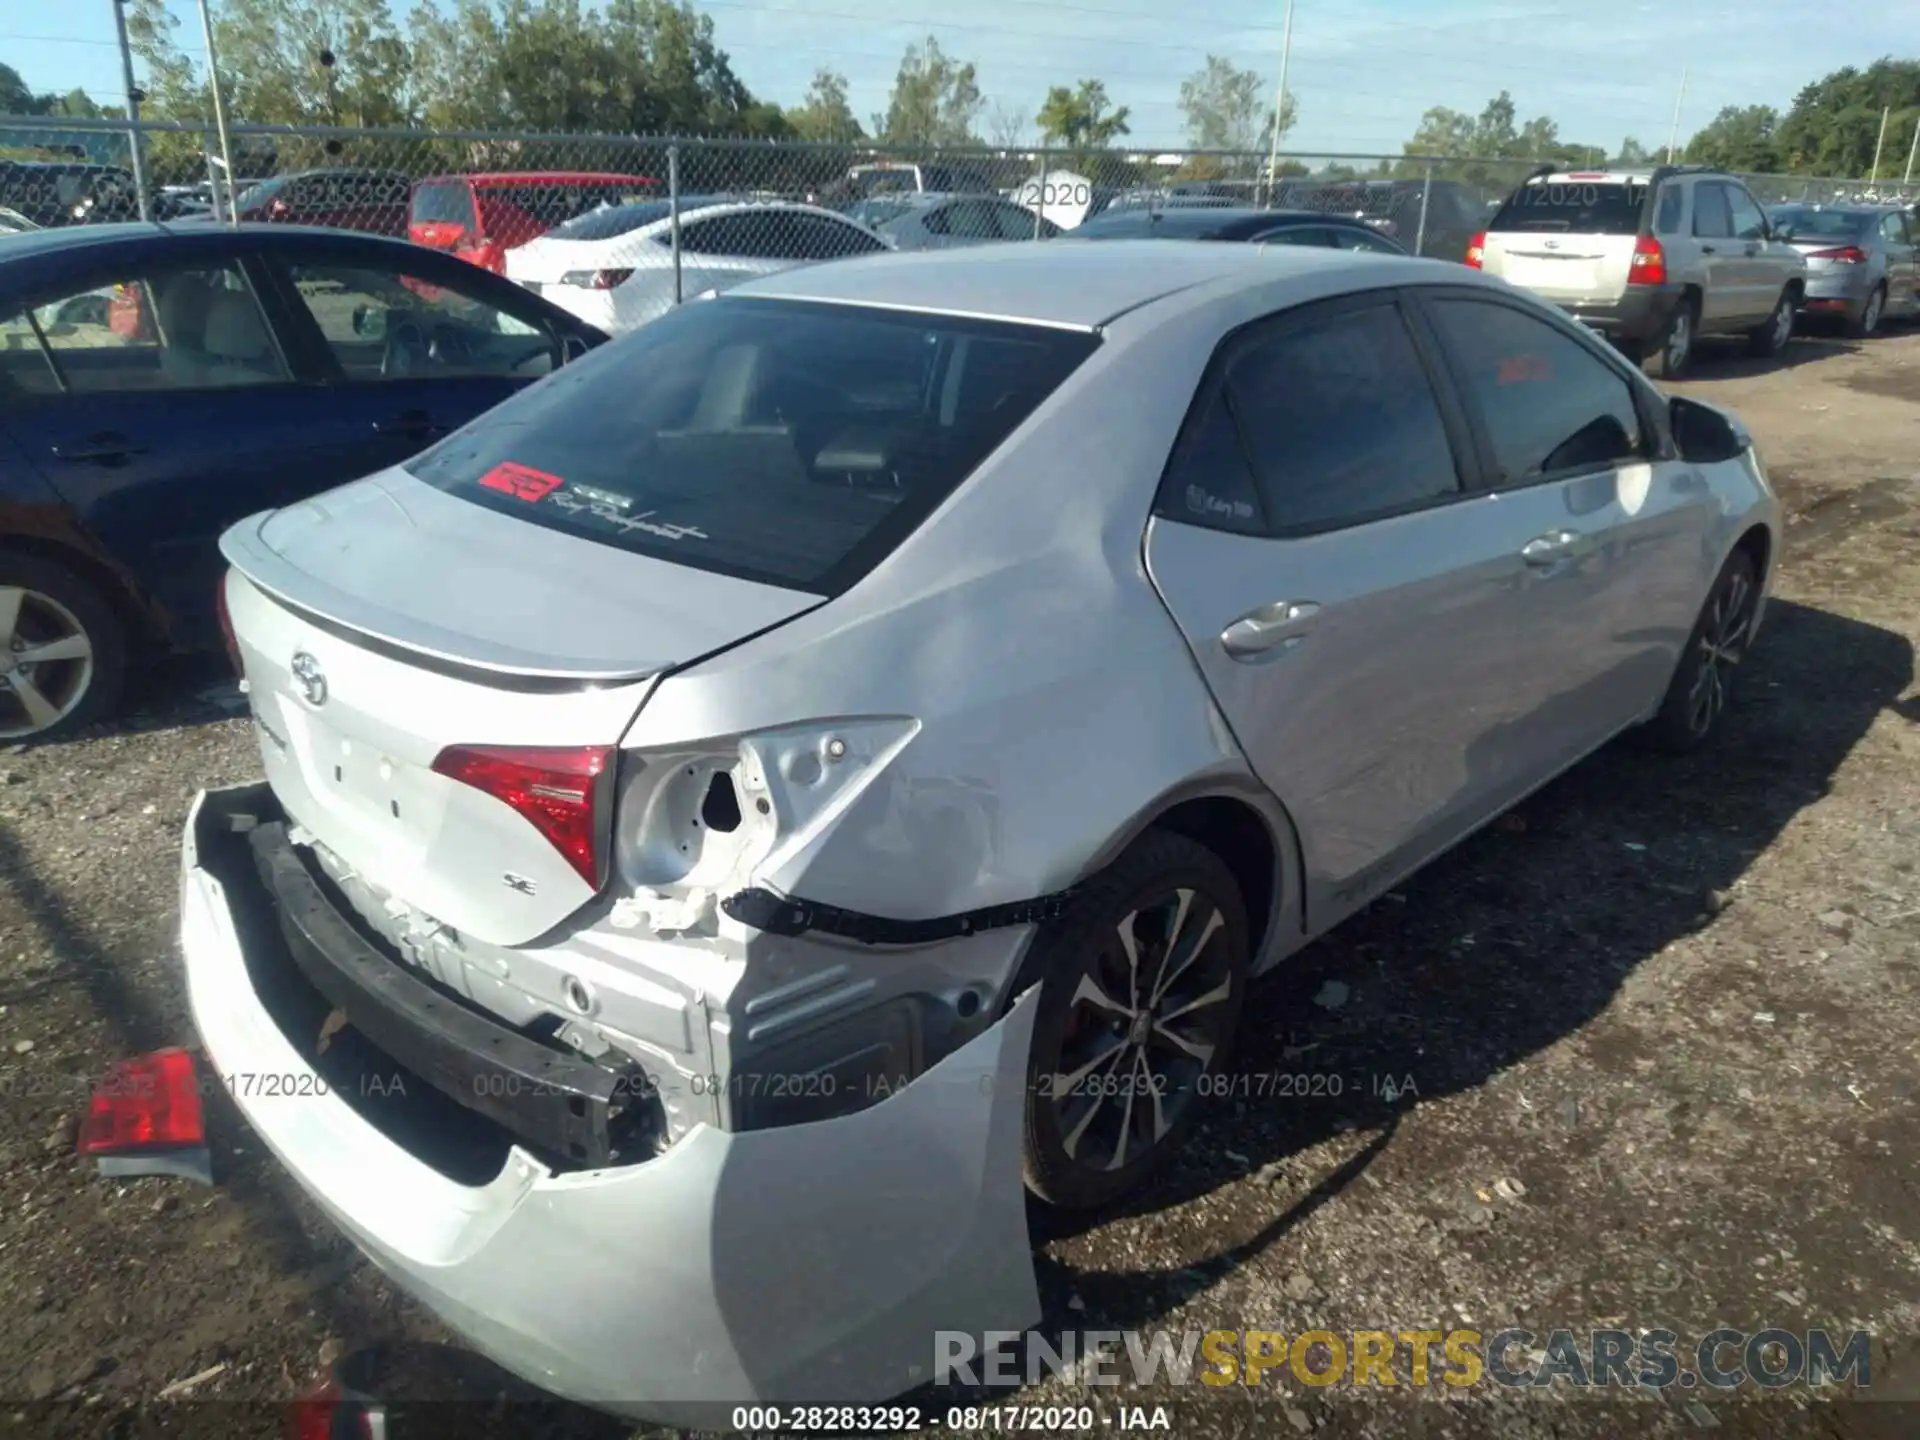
x=813 y=1262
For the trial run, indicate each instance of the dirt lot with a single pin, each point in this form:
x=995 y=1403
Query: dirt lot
x=1662 y=1029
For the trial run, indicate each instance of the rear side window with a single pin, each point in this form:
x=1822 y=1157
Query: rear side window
x=1549 y=404
x=443 y=203
x=1584 y=207
x=1341 y=420
x=1667 y=220
x=787 y=443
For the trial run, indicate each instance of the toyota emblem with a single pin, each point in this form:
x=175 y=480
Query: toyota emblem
x=312 y=680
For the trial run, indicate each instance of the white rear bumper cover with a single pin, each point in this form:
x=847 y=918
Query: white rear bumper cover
x=807 y=1263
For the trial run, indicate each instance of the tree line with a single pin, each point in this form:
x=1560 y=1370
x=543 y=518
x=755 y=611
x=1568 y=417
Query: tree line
x=654 y=67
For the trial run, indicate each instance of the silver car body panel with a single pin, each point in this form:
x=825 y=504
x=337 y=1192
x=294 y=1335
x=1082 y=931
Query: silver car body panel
x=1031 y=678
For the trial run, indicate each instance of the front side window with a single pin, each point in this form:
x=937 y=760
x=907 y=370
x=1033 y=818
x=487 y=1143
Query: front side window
x=1297 y=235
x=1550 y=405
x=196 y=329
x=788 y=443
x=382 y=324
x=815 y=237
x=1894 y=228
x=1748 y=222
x=1341 y=420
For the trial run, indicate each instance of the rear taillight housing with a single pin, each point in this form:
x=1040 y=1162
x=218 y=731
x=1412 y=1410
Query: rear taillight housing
x=565 y=794
x=596 y=279
x=145 y=1104
x=1477 y=251
x=1649 y=265
x=1840 y=254
x=227 y=636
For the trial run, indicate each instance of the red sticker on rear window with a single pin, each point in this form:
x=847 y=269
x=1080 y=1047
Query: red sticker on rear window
x=520 y=481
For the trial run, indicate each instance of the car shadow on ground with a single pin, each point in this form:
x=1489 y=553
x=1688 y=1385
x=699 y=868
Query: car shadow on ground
x=1719 y=358
x=1515 y=940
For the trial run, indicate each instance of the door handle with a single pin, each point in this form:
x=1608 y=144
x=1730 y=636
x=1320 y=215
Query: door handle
x=1545 y=551
x=1753 y=250
x=412 y=424
x=107 y=448
x=1279 y=626
x=1708 y=250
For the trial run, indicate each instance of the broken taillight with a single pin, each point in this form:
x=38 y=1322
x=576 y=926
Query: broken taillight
x=1477 y=251
x=564 y=793
x=148 y=1103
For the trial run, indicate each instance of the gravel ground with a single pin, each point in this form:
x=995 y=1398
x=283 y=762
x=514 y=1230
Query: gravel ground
x=1661 y=1028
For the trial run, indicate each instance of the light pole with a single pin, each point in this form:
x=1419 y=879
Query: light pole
x=133 y=110
x=1673 y=135
x=219 y=111
x=1279 y=107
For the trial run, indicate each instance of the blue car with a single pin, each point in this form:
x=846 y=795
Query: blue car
x=157 y=385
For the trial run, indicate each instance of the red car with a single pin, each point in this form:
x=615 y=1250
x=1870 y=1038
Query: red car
x=481 y=217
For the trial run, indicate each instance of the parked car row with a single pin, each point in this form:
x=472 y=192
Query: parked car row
x=1659 y=259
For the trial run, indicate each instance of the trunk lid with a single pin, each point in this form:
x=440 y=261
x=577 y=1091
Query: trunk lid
x=543 y=261
x=386 y=621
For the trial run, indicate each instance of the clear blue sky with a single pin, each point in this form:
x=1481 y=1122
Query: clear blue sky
x=1362 y=70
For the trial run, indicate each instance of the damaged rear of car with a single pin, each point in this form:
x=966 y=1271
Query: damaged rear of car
x=636 y=866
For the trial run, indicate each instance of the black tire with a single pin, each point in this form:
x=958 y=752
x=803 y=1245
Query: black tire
x=84 y=691
x=1696 y=700
x=1770 y=337
x=1872 y=313
x=1085 y=1144
x=1669 y=354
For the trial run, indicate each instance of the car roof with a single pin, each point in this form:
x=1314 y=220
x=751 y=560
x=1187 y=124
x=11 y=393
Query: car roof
x=549 y=177
x=137 y=242
x=1072 y=286
x=1192 y=222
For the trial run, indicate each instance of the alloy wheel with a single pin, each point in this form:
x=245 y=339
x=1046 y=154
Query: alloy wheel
x=1722 y=645
x=1679 y=340
x=1783 y=323
x=1148 y=1017
x=46 y=662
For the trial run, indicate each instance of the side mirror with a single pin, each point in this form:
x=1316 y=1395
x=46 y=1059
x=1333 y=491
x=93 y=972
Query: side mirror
x=1704 y=435
x=572 y=348
x=369 y=323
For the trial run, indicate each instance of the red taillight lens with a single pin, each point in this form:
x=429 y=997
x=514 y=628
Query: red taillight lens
x=1844 y=254
x=148 y=1103
x=226 y=626
x=607 y=279
x=328 y=1414
x=1649 y=265
x=1477 y=251
x=562 y=793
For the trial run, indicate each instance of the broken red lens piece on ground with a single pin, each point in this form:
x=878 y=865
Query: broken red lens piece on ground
x=151 y=1102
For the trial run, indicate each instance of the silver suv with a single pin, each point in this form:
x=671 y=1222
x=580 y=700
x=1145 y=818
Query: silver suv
x=1651 y=259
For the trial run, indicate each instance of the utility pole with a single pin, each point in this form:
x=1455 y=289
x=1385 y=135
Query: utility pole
x=1912 y=151
x=1673 y=134
x=1878 y=145
x=1279 y=109
x=219 y=111
x=133 y=110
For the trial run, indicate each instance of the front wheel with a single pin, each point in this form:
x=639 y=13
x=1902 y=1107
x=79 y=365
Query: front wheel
x=1697 y=697
x=1770 y=338
x=1141 y=985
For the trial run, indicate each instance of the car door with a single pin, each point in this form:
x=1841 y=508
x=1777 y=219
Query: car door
x=1766 y=264
x=1608 y=534
x=409 y=352
x=1724 y=303
x=171 y=414
x=1897 y=238
x=1346 y=598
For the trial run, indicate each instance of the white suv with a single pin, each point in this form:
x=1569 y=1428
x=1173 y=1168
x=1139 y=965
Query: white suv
x=1651 y=259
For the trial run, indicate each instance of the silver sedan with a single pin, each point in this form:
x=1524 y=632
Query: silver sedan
x=1863 y=261
x=848 y=747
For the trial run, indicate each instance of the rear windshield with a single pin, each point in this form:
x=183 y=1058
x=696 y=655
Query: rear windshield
x=556 y=202
x=1600 y=207
x=1179 y=222
x=783 y=442
x=1808 y=223
x=612 y=220
x=448 y=203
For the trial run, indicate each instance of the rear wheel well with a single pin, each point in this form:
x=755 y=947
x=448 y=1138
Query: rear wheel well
x=112 y=587
x=1757 y=545
x=1235 y=832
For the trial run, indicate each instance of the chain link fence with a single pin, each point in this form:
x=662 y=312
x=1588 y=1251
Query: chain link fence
x=622 y=226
